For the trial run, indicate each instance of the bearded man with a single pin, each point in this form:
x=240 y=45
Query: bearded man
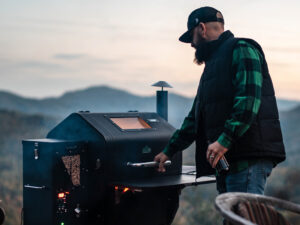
x=234 y=113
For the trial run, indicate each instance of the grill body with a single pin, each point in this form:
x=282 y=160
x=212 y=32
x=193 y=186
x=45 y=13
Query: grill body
x=79 y=174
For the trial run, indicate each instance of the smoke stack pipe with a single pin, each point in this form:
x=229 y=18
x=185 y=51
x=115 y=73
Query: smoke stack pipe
x=162 y=104
x=162 y=99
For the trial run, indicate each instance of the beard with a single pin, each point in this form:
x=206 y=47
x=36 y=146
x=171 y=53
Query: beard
x=204 y=50
x=201 y=53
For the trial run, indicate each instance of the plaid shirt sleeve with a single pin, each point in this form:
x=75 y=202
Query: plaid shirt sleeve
x=183 y=137
x=247 y=61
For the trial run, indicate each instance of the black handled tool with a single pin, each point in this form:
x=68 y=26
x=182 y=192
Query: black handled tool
x=222 y=165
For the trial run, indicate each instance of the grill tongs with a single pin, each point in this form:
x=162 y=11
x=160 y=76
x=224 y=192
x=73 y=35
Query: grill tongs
x=148 y=164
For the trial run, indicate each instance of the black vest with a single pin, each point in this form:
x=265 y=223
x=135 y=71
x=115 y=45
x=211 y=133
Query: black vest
x=214 y=102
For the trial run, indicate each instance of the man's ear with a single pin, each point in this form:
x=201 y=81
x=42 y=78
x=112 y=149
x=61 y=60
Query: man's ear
x=203 y=28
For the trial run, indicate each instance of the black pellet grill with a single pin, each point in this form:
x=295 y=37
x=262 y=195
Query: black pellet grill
x=98 y=169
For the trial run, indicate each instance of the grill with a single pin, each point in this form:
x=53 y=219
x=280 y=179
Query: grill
x=118 y=141
x=97 y=168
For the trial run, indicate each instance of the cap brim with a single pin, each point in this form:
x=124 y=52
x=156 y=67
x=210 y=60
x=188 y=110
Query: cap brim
x=186 y=37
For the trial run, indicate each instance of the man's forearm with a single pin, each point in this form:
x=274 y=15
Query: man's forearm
x=183 y=137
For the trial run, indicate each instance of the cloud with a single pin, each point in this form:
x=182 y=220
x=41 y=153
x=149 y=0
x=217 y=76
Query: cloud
x=69 y=56
x=87 y=60
x=40 y=65
x=105 y=61
x=12 y=67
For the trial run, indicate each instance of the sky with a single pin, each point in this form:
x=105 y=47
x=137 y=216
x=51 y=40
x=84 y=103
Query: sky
x=50 y=47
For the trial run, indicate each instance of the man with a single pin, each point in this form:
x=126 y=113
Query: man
x=234 y=113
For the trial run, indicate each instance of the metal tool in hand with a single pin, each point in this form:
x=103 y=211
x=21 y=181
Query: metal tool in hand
x=148 y=164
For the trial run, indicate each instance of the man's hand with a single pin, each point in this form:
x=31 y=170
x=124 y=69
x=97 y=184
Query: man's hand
x=161 y=158
x=214 y=153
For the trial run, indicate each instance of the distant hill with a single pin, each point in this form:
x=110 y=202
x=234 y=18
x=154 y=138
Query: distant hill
x=104 y=99
x=286 y=105
x=16 y=126
x=94 y=99
x=290 y=123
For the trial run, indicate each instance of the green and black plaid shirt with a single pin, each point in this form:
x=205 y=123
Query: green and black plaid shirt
x=247 y=82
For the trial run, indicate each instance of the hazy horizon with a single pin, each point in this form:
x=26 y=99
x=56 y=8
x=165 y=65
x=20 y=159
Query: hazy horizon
x=48 y=48
x=170 y=91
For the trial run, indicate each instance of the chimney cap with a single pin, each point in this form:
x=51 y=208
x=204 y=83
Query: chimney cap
x=162 y=84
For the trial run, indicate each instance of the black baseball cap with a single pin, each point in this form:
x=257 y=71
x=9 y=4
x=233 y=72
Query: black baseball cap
x=204 y=15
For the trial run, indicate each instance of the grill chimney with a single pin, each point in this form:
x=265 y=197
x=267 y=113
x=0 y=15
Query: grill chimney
x=162 y=99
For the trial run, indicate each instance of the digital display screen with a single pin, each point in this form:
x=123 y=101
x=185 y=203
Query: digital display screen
x=130 y=123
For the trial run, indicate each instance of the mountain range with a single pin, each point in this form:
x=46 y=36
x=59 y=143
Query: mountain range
x=104 y=99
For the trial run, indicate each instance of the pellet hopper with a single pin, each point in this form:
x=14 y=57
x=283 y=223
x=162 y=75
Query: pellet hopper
x=98 y=169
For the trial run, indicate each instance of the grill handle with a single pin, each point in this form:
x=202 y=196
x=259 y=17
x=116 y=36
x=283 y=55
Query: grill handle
x=34 y=187
x=148 y=164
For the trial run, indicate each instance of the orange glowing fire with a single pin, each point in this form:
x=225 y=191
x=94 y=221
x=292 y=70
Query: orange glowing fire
x=61 y=195
x=125 y=189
